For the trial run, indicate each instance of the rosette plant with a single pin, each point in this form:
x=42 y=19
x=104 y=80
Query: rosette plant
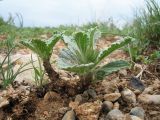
x=44 y=50
x=82 y=57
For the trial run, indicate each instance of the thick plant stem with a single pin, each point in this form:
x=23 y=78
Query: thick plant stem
x=85 y=81
x=69 y=88
x=52 y=74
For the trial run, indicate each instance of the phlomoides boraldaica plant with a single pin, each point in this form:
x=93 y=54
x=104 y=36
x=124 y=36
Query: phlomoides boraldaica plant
x=44 y=50
x=81 y=56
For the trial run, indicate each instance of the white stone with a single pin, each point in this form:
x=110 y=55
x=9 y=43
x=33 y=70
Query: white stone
x=149 y=99
x=115 y=114
x=135 y=118
x=128 y=96
x=112 y=97
x=70 y=115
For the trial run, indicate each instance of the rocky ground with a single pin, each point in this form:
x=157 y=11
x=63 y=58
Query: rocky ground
x=124 y=95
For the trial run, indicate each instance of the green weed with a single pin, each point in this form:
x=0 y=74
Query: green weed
x=7 y=73
x=39 y=73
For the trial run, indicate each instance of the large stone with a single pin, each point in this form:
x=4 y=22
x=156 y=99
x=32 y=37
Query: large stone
x=89 y=111
x=70 y=115
x=138 y=111
x=135 y=83
x=107 y=106
x=149 y=99
x=112 y=97
x=115 y=114
x=92 y=93
x=128 y=96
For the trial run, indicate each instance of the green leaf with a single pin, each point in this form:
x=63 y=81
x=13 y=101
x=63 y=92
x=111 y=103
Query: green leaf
x=80 y=55
x=94 y=35
x=155 y=55
x=104 y=53
x=52 y=41
x=78 y=49
x=81 y=40
x=111 y=67
x=37 y=46
x=42 y=48
x=36 y=71
x=80 y=69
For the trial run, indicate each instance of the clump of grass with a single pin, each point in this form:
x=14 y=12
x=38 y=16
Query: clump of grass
x=147 y=24
x=39 y=73
x=146 y=29
x=7 y=72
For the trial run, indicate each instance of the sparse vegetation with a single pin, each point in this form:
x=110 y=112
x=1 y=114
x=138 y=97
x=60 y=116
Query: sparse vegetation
x=7 y=73
x=81 y=58
x=146 y=29
x=39 y=73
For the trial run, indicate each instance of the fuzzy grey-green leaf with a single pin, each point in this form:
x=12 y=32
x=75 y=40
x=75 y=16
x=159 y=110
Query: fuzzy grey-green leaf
x=111 y=67
x=118 y=44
